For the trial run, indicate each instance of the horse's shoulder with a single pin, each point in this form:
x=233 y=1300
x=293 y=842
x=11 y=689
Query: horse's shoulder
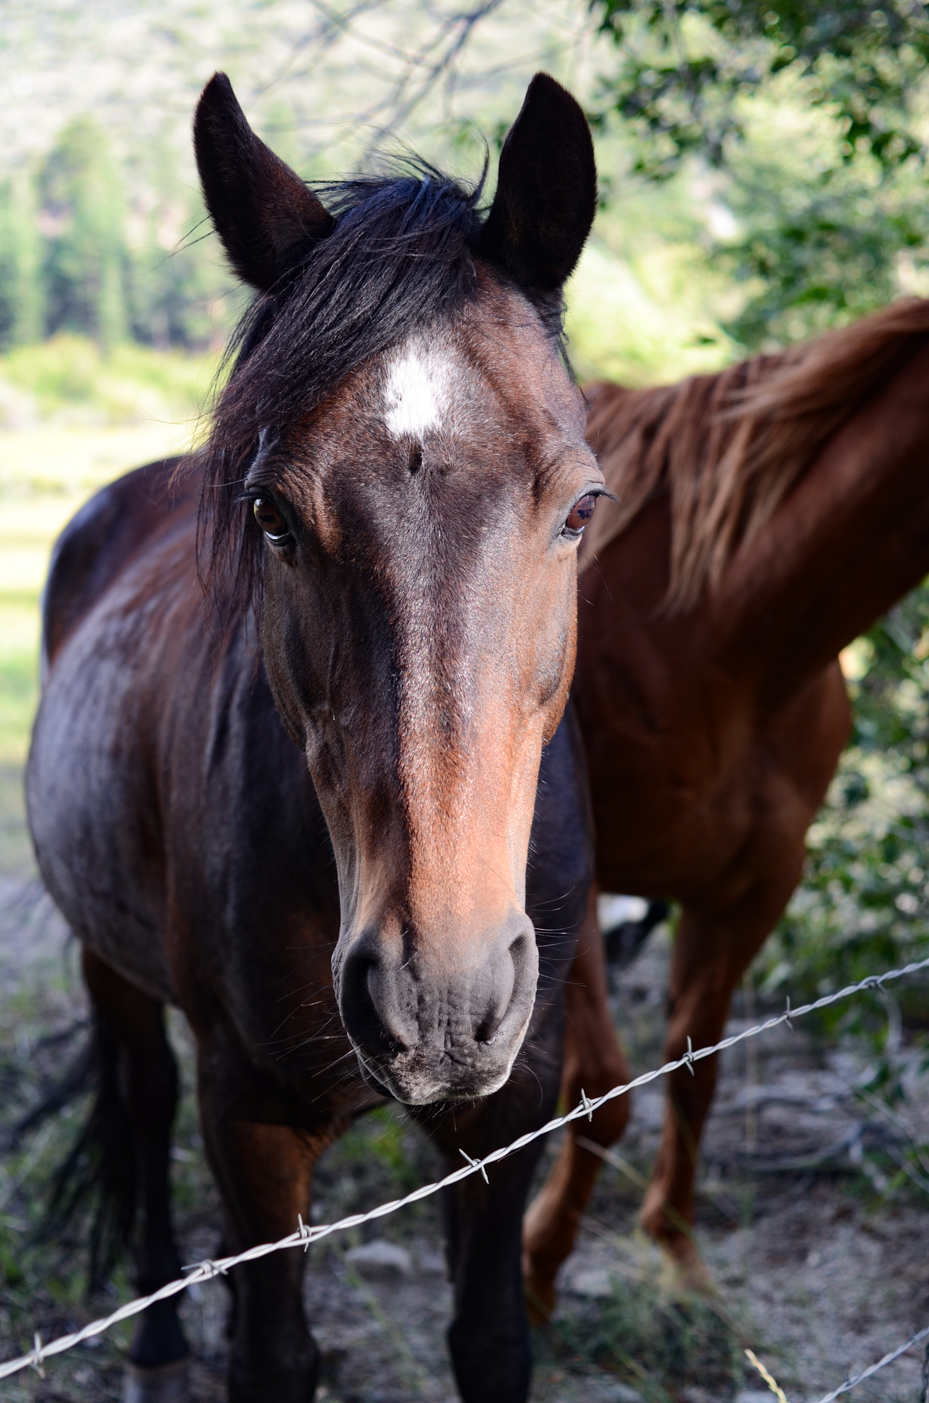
x=108 y=532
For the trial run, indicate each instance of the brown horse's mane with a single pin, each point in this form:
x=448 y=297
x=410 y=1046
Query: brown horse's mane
x=728 y=448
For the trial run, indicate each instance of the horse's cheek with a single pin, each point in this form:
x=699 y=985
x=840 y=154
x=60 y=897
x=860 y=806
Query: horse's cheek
x=287 y=654
x=557 y=655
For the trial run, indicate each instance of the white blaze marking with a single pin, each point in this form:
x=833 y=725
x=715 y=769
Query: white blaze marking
x=417 y=391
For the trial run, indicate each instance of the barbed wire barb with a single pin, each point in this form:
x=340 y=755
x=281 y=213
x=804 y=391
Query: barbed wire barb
x=475 y=1164
x=37 y=1355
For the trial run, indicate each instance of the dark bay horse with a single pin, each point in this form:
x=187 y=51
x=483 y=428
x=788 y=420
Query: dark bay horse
x=765 y=517
x=299 y=805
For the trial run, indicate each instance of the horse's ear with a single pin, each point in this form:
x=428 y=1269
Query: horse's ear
x=264 y=214
x=546 y=190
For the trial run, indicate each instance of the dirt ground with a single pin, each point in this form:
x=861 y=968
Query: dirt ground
x=819 y=1268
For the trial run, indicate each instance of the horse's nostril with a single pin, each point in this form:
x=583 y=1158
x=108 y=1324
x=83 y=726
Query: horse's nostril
x=379 y=1001
x=507 y=988
x=371 y=1014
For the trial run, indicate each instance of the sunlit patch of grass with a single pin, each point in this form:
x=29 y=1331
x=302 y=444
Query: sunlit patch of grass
x=61 y=465
x=83 y=419
x=19 y=691
x=71 y=380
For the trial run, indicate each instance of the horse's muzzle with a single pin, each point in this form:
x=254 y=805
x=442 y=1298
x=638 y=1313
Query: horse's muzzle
x=428 y=1029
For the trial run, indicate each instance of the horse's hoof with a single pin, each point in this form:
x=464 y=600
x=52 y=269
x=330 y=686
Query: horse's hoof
x=687 y=1273
x=163 y=1383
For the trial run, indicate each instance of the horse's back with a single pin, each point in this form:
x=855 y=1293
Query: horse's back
x=103 y=537
x=121 y=594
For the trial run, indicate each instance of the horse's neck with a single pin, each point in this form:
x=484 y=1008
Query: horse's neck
x=850 y=540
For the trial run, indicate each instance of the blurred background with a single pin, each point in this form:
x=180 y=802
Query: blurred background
x=763 y=178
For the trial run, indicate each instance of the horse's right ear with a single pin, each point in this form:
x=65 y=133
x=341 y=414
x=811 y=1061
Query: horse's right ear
x=546 y=191
x=265 y=215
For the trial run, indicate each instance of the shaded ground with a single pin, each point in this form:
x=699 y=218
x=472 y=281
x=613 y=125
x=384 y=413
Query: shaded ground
x=819 y=1268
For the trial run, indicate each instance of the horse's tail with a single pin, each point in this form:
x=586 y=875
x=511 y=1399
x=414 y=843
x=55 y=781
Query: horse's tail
x=95 y=1185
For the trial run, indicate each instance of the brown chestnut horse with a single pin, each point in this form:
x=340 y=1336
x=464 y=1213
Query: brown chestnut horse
x=302 y=811
x=765 y=517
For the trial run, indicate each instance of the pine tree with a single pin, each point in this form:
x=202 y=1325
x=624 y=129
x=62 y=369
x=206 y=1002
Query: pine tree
x=83 y=219
x=21 y=291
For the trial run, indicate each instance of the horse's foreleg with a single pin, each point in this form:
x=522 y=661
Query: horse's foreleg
x=593 y=1063
x=711 y=952
x=489 y=1334
x=263 y=1167
x=147 y=1085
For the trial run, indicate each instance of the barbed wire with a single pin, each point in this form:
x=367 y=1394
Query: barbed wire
x=849 y=1384
x=305 y=1235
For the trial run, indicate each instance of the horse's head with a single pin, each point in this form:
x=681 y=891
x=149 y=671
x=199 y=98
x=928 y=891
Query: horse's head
x=401 y=445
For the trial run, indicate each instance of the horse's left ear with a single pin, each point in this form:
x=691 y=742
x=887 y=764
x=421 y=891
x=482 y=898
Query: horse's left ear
x=265 y=215
x=546 y=190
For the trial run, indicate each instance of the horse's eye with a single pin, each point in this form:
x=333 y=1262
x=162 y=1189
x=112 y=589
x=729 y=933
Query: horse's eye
x=580 y=515
x=269 y=518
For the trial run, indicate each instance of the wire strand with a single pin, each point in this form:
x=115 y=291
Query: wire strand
x=304 y=1235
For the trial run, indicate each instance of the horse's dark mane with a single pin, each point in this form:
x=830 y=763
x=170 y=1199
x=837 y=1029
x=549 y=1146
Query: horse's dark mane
x=398 y=258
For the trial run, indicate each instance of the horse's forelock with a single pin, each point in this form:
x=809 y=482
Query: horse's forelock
x=398 y=259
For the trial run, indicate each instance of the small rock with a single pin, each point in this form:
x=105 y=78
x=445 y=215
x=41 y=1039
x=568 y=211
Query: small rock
x=622 y=1393
x=754 y=1395
x=593 y=1282
x=431 y=1263
x=380 y=1259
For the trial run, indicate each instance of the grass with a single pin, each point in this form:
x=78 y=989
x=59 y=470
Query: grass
x=70 y=380
x=18 y=696
x=654 y=1341
x=71 y=419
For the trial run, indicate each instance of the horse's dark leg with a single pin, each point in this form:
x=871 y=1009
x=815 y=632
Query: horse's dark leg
x=147 y=1075
x=263 y=1167
x=489 y=1333
x=594 y=1062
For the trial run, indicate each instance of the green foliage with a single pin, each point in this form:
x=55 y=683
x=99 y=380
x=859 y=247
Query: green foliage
x=819 y=251
x=84 y=224
x=811 y=117
x=79 y=254
x=70 y=377
x=21 y=289
x=685 y=63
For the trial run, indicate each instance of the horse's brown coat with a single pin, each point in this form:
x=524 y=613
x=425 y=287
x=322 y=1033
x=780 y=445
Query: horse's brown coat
x=358 y=913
